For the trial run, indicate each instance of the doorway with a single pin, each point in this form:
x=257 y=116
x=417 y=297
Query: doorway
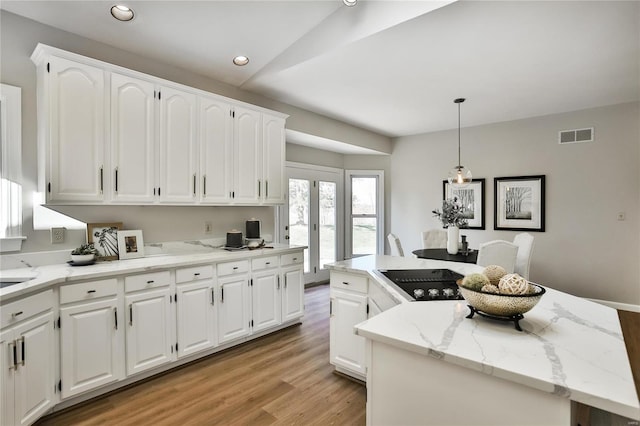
x=312 y=216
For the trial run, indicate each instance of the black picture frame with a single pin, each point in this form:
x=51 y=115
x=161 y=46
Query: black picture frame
x=519 y=203
x=474 y=196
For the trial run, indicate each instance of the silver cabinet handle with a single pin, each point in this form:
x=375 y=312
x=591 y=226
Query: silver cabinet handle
x=22 y=350
x=13 y=355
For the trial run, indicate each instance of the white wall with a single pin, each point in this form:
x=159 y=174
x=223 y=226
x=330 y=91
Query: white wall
x=19 y=37
x=585 y=250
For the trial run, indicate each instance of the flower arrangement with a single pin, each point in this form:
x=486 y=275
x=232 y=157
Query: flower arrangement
x=84 y=249
x=451 y=214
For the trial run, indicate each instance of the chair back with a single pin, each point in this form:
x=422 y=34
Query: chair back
x=396 y=247
x=434 y=238
x=524 y=241
x=498 y=252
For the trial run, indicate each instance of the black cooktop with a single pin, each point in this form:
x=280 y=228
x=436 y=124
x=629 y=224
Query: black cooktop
x=425 y=284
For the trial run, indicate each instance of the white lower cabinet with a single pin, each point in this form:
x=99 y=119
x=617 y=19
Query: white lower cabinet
x=195 y=310
x=91 y=336
x=349 y=307
x=27 y=360
x=265 y=300
x=233 y=309
x=150 y=329
x=292 y=292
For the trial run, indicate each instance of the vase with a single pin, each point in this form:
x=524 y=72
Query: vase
x=453 y=234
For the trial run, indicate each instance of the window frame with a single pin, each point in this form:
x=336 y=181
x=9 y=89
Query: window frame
x=349 y=216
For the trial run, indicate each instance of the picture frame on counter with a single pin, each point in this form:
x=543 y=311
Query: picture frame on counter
x=130 y=244
x=519 y=203
x=472 y=199
x=104 y=237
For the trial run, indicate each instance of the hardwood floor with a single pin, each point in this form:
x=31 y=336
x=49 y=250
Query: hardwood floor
x=284 y=378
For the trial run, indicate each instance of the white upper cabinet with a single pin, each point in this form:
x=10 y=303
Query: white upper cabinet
x=76 y=132
x=216 y=150
x=247 y=156
x=273 y=153
x=178 y=170
x=113 y=135
x=132 y=139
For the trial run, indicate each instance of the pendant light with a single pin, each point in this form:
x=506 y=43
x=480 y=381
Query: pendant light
x=459 y=177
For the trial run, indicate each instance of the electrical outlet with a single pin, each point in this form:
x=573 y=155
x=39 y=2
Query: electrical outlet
x=57 y=235
x=208 y=227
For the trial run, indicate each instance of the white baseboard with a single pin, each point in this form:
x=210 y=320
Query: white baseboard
x=616 y=305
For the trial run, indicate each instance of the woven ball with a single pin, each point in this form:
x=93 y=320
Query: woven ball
x=513 y=284
x=494 y=273
x=475 y=281
x=489 y=288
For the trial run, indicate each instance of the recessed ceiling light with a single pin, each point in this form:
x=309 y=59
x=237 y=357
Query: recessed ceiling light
x=240 y=60
x=122 y=13
x=350 y=3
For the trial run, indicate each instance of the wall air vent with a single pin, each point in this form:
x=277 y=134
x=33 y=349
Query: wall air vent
x=575 y=135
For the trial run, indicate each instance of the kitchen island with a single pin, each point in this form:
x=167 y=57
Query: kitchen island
x=428 y=364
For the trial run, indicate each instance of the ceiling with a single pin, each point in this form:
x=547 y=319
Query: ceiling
x=392 y=67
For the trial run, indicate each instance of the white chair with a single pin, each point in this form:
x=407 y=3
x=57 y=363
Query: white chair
x=434 y=238
x=524 y=241
x=498 y=252
x=396 y=247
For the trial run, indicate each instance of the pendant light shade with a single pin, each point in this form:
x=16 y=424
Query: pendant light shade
x=459 y=176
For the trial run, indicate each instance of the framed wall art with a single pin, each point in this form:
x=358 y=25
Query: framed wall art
x=104 y=238
x=519 y=203
x=130 y=244
x=472 y=199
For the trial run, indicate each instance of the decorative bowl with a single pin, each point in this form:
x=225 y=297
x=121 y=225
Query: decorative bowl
x=502 y=304
x=82 y=258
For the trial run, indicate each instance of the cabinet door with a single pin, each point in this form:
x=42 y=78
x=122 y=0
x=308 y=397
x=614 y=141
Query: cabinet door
x=233 y=309
x=90 y=343
x=7 y=377
x=196 y=317
x=149 y=327
x=178 y=177
x=265 y=300
x=132 y=139
x=247 y=158
x=274 y=158
x=77 y=142
x=34 y=376
x=293 y=293
x=216 y=151
x=346 y=349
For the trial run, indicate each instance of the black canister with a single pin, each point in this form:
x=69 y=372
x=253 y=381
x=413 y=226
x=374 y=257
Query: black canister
x=234 y=238
x=253 y=229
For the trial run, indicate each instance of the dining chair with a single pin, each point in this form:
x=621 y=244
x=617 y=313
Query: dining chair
x=498 y=252
x=434 y=238
x=396 y=246
x=524 y=241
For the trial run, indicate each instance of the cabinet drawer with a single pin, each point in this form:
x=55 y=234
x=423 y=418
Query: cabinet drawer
x=350 y=282
x=88 y=291
x=146 y=281
x=291 y=258
x=19 y=310
x=201 y=272
x=229 y=268
x=264 y=263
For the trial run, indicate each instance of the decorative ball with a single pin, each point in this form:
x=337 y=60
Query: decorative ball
x=494 y=273
x=490 y=288
x=532 y=289
x=513 y=284
x=475 y=281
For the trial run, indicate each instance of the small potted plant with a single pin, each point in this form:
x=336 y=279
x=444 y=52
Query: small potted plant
x=83 y=254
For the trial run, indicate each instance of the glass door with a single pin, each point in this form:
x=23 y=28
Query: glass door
x=312 y=217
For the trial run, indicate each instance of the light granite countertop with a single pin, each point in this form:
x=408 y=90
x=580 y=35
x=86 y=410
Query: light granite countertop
x=569 y=347
x=177 y=255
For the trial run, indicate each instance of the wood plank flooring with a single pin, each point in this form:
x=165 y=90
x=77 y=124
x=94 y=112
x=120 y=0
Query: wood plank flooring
x=284 y=378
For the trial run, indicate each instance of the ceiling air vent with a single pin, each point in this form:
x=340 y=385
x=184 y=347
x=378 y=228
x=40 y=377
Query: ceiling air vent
x=575 y=135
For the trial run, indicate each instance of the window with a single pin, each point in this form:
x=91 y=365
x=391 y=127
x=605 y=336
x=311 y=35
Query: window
x=365 y=206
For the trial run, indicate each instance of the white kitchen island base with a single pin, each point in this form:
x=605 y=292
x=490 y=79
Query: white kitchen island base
x=406 y=388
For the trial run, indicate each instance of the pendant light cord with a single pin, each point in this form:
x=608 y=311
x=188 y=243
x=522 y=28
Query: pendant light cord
x=459 y=163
